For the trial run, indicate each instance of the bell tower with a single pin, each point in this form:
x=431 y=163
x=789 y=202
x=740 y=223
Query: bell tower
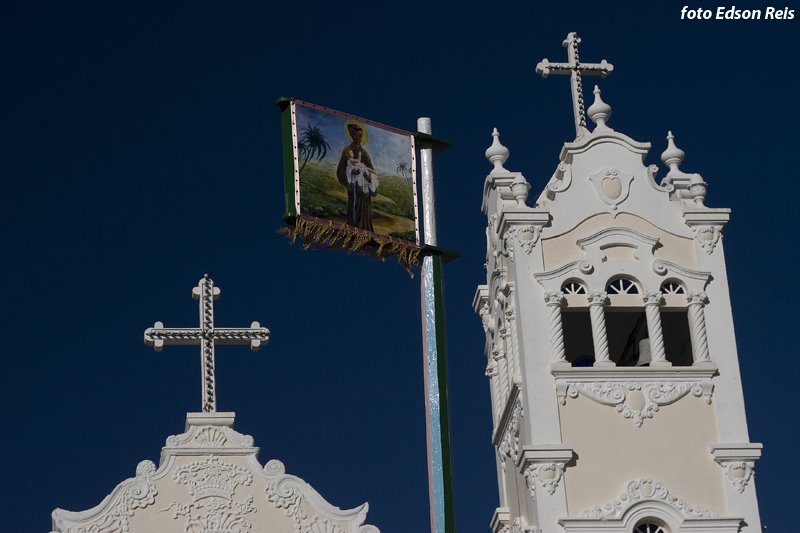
x=616 y=396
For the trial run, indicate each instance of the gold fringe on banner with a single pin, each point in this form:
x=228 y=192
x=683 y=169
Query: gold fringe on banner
x=319 y=233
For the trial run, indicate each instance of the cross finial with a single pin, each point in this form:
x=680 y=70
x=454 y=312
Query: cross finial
x=575 y=69
x=206 y=336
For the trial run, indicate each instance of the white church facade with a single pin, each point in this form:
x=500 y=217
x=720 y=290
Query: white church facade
x=616 y=395
x=209 y=478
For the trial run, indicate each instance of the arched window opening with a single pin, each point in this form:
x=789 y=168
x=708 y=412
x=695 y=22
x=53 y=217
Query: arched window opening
x=672 y=287
x=573 y=287
x=649 y=527
x=622 y=286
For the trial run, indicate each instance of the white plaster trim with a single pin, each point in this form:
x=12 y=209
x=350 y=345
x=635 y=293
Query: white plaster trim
x=585 y=143
x=705 y=216
x=500 y=520
x=738 y=461
x=522 y=216
x=209 y=441
x=675 y=520
x=584 y=266
x=636 y=393
x=506 y=436
x=645 y=489
x=543 y=467
x=116 y=509
x=506 y=415
x=663 y=267
x=619 y=236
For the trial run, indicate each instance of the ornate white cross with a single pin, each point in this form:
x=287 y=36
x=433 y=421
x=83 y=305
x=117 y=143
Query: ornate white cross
x=575 y=69
x=206 y=336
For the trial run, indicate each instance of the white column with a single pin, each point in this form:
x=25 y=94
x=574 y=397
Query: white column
x=554 y=302
x=502 y=374
x=597 y=303
x=697 y=326
x=652 y=310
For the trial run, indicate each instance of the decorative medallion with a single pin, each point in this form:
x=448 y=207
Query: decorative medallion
x=707 y=237
x=739 y=474
x=526 y=237
x=547 y=474
x=612 y=185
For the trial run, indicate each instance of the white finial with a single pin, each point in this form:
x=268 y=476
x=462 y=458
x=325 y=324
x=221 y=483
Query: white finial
x=672 y=156
x=497 y=154
x=599 y=111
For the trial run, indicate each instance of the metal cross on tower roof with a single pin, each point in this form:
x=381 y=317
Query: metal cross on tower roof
x=206 y=336
x=574 y=68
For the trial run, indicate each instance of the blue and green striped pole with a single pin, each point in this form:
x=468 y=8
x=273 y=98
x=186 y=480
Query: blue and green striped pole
x=440 y=479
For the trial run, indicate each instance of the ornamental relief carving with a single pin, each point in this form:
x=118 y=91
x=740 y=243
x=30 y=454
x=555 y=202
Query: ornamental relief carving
x=527 y=237
x=139 y=492
x=289 y=493
x=636 y=401
x=286 y=494
x=739 y=473
x=213 y=437
x=707 y=237
x=212 y=485
x=548 y=476
x=561 y=179
x=643 y=490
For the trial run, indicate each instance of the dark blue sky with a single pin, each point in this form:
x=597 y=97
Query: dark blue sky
x=141 y=148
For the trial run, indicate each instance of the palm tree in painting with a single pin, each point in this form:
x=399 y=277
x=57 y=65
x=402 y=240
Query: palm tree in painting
x=403 y=170
x=312 y=145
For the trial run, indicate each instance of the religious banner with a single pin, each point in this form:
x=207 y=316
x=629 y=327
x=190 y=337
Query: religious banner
x=350 y=182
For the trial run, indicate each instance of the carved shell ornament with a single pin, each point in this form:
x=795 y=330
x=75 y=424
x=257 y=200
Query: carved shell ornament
x=612 y=185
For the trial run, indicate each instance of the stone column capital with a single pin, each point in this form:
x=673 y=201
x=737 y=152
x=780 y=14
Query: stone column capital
x=598 y=298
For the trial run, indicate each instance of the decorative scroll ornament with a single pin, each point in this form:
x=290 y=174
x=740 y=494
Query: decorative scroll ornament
x=285 y=494
x=547 y=474
x=636 y=401
x=139 y=492
x=644 y=490
x=739 y=473
x=707 y=237
x=612 y=185
x=561 y=180
x=509 y=446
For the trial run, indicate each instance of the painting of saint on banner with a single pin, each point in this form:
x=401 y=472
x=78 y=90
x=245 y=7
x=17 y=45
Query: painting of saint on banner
x=354 y=180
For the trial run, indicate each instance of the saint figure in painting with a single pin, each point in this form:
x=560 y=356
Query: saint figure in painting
x=356 y=172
